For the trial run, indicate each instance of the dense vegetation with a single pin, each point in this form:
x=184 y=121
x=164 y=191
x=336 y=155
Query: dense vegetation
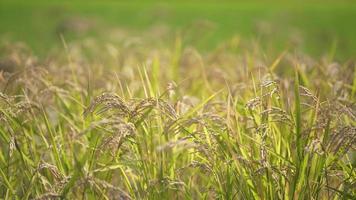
x=207 y=103
x=140 y=122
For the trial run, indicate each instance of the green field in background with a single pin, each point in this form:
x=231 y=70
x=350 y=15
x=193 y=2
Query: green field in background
x=320 y=25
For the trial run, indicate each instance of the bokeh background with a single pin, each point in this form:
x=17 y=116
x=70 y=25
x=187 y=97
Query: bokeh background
x=314 y=27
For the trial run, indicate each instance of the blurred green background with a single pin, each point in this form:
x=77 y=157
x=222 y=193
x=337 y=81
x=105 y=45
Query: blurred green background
x=316 y=27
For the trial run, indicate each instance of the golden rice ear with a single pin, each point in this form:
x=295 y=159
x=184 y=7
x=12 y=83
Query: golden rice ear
x=108 y=101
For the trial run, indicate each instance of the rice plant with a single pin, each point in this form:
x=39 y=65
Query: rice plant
x=148 y=122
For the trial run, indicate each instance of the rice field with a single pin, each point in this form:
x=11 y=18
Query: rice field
x=156 y=117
